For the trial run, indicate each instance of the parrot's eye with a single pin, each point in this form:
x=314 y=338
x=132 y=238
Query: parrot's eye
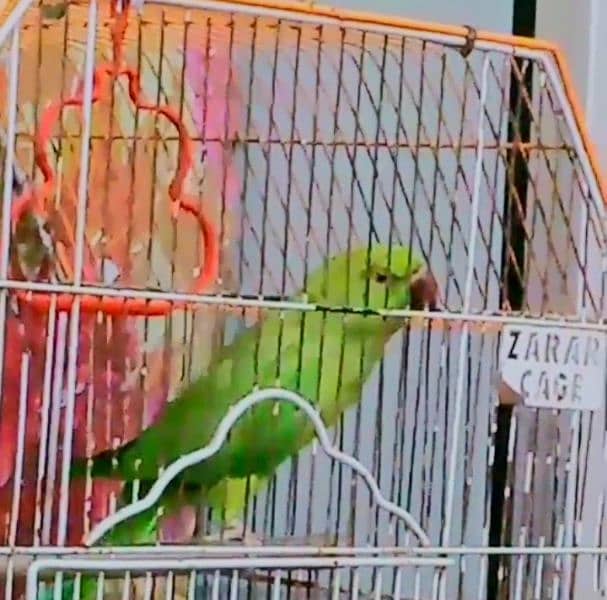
x=381 y=277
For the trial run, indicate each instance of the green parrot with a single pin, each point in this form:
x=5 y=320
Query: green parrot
x=325 y=355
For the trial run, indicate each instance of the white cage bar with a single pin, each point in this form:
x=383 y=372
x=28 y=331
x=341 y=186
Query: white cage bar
x=370 y=128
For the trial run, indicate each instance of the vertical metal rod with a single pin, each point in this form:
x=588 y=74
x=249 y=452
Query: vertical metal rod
x=7 y=199
x=464 y=339
x=20 y=455
x=18 y=473
x=55 y=420
x=46 y=411
x=576 y=423
x=78 y=264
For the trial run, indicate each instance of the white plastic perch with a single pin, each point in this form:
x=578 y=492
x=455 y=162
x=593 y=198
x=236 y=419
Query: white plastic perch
x=226 y=424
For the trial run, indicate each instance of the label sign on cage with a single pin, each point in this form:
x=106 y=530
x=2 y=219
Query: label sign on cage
x=554 y=367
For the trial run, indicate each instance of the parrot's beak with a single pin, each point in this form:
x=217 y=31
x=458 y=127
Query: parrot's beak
x=424 y=292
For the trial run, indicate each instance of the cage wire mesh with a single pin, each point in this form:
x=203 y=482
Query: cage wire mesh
x=311 y=134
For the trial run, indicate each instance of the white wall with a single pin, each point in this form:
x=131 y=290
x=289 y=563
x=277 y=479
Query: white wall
x=493 y=16
x=580 y=29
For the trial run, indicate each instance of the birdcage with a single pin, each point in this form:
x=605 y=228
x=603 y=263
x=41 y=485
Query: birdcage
x=163 y=191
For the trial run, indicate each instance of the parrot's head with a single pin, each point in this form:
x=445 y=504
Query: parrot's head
x=378 y=277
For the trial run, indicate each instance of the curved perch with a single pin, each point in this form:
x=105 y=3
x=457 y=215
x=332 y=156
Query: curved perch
x=226 y=424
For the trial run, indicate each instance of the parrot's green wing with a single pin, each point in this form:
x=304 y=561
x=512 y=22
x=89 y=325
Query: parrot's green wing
x=267 y=435
x=318 y=357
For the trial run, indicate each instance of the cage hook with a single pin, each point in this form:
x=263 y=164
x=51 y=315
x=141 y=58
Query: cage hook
x=468 y=45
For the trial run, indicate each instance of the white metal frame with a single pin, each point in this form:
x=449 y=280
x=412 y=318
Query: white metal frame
x=11 y=28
